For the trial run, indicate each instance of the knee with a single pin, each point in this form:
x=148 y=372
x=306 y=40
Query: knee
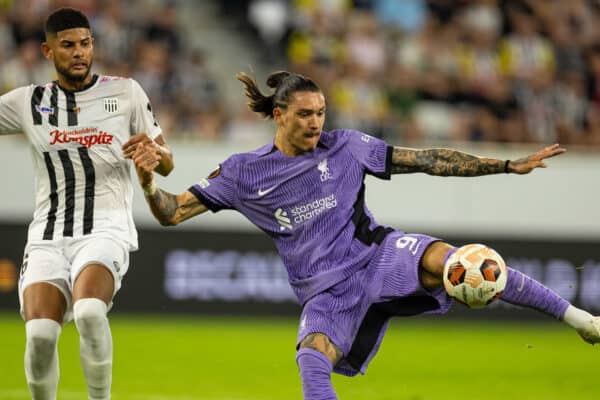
x=321 y=343
x=89 y=315
x=42 y=337
x=434 y=257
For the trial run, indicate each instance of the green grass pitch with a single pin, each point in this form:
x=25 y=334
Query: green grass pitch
x=196 y=357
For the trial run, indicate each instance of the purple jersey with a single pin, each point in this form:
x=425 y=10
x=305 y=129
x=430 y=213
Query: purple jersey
x=312 y=205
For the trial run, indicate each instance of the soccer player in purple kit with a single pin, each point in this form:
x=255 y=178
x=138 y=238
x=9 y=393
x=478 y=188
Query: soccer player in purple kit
x=306 y=190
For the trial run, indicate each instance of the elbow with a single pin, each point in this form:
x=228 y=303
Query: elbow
x=167 y=222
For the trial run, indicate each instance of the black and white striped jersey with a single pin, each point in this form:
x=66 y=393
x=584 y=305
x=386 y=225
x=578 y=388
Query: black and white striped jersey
x=82 y=182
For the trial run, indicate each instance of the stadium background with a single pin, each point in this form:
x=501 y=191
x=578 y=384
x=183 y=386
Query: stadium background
x=497 y=78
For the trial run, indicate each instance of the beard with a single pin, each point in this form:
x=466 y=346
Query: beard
x=74 y=77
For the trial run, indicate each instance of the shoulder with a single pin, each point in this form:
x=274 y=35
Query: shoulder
x=22 y=94
x=116 y=84
x=341 y=136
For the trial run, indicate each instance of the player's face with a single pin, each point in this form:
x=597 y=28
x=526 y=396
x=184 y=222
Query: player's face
x=72 y=52
x=301 y=123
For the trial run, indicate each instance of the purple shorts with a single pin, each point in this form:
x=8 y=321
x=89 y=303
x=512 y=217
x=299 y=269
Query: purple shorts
x=355 y=313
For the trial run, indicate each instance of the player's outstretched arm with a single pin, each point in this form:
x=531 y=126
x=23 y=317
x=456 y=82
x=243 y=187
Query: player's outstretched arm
x=165 y=165
x=167 y=208
x=446 y=162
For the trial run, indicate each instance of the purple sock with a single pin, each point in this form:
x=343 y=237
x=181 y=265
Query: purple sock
x=527 y=292
x=315 y=372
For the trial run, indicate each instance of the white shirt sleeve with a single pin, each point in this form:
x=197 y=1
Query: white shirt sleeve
x=11 y=111
x=142 y=115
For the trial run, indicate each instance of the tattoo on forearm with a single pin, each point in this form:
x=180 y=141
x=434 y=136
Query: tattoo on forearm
x=443 y=162
x=321 y=343
x=164 y=206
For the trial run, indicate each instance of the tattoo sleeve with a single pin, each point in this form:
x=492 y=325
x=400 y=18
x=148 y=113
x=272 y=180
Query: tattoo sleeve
x=321 y=343
x=443 y=162
x=164 y=206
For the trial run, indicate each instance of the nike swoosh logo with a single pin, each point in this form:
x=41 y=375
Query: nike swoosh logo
x=263 y=192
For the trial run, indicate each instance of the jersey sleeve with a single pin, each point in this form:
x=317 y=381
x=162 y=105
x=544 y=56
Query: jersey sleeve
x=218 y=190
x=142 y=116
x=11 y=111
x=373 y=154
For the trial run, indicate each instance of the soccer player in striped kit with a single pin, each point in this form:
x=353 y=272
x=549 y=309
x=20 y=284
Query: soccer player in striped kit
x=306 y=190
x=81 y=128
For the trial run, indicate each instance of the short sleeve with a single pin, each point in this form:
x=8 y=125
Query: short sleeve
x=11 y=111
x=373 y=154
x=218 y=190
x=142 y=116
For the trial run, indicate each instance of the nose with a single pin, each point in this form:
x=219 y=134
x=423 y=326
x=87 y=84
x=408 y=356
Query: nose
x=313 y=123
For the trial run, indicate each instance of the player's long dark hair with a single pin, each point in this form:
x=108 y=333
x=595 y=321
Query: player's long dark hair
x=285 y=84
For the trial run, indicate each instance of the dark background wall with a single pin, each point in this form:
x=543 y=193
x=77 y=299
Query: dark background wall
x=215 y=272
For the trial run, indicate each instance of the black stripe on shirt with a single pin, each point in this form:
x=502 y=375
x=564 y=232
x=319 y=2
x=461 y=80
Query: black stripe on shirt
x=53 y=118
x=69 y=191
x=387 y=173
x=362 y=221
x=51 y=220
x=36 y=100
x=90 y=183
x=375 y=319
x=71 y=108
x=205 y=200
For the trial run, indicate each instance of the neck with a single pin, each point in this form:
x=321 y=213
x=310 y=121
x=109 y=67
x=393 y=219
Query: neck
x=74 y=85
x=284 y=146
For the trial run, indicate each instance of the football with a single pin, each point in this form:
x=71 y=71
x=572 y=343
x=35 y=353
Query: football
x=475 y=275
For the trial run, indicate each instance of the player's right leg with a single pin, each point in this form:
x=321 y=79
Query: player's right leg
x=520 y=290
x=43 y=293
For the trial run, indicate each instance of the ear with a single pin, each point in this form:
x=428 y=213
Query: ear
x=46 y=51
x=278 y=115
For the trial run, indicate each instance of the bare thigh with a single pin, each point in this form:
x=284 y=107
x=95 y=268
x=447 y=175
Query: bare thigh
x=94 y=281
x=44 y=300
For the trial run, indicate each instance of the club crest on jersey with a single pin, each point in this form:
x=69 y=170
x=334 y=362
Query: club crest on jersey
x=215 y=173
x=324 y=169
x=44 y=110
x=111 y=105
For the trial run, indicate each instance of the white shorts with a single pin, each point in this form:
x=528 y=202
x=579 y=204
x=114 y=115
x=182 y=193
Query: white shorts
x=60 y=263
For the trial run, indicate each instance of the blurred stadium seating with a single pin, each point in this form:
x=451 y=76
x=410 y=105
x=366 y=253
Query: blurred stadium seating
x=415 y=72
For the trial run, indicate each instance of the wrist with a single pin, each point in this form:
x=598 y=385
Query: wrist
x=150 y=188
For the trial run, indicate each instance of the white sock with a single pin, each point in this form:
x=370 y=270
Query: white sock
x=41 y=358
x=95 y=345
x=578 y=318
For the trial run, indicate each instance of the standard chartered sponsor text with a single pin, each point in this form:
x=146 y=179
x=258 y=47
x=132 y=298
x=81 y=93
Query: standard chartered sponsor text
x=309 y=210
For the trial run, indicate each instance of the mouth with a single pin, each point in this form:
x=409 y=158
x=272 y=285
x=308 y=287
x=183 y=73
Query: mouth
x=310 y=135
x=79 y=66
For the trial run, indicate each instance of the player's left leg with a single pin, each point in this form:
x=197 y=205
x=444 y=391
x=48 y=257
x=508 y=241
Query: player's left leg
x=92 y=292
x=520 y=290
x=97 y=268
x=316 y=357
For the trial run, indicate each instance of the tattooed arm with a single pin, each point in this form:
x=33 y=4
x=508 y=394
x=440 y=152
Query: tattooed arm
x=170 y=209
x=167 y=208
x=446 y=162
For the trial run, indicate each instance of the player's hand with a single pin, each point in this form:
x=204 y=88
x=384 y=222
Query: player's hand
x=135 y=141
x=145 y=158
x=527 y=164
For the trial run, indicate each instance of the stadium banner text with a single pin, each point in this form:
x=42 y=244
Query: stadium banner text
x=240 y=273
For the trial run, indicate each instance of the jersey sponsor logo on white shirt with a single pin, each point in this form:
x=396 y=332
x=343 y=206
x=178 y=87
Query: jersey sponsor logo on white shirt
x=85 y=136
x=44 y=110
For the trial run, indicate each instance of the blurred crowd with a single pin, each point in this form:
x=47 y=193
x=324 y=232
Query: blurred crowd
x=439 y=70
x=410 y=71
